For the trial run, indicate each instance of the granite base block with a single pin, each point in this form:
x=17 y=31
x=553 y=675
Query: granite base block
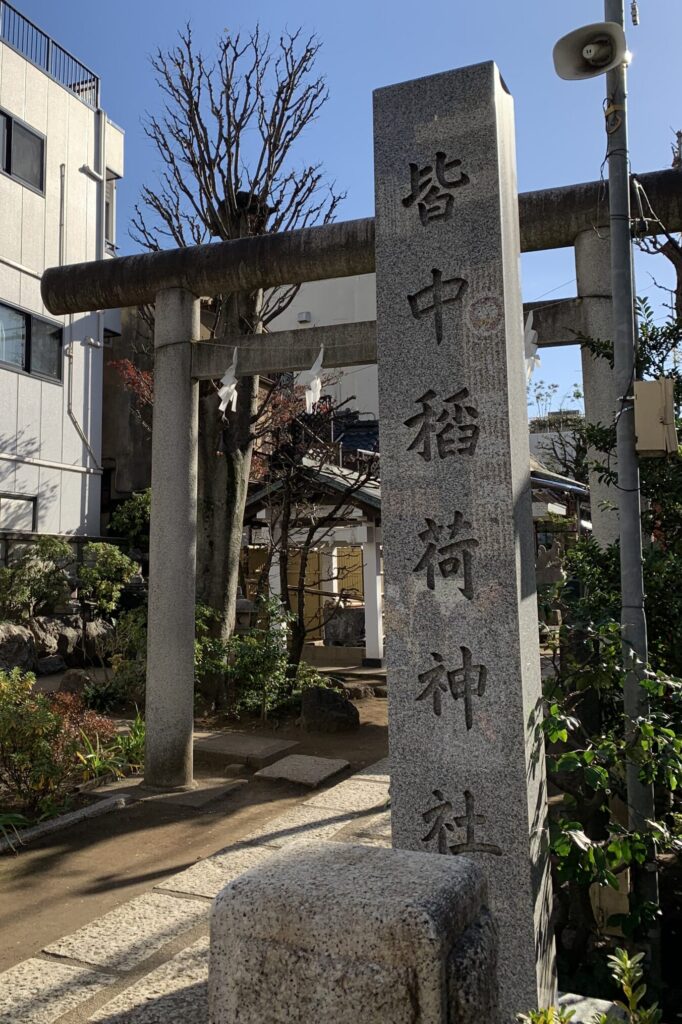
x=334 y=932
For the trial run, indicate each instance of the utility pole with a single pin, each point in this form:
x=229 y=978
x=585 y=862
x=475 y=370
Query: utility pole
x=640 y=795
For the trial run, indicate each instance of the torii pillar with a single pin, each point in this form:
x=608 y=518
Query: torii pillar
x=169 y=708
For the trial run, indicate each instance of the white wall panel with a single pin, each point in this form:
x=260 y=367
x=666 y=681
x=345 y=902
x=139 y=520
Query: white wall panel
x=8 y=474
x=33 y=231
x=73 y=502
x=10 y=279
x=28 y=416
x=53 y=401
x=30 y=294
x=27 y=479
x=114 y=148
x=35 y=109
x=10 y=204
x=13 y=83
x=8 y=411
x=48 y=500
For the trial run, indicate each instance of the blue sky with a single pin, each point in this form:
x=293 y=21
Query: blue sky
x=560 y=136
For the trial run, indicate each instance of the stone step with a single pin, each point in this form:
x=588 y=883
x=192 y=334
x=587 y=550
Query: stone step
x=241 y=748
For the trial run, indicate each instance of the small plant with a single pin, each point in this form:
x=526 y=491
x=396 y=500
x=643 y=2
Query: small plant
x=9 y=822
x=551 y=1015
x=627 y=972
x=99 y=761
x=131 y=744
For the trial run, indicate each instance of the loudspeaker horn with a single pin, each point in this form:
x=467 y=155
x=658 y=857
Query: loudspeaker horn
x=590 y=51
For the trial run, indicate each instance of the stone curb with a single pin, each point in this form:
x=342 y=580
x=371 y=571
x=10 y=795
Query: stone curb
x=47 y=828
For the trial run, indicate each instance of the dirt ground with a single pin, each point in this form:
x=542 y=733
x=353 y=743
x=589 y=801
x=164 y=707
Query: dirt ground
x=55 y=886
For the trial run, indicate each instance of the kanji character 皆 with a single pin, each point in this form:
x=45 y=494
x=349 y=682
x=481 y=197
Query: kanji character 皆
x=434 y=198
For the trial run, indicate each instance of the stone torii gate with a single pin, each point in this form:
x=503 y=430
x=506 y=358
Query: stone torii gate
x=464 y=682
x=174 y=281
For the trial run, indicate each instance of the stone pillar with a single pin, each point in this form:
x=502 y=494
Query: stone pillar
x=274 y=581
x=327 y=931
x=374 y=610
x=461 y=614
x=169 y=710
x=329 y=572
x=593 y=272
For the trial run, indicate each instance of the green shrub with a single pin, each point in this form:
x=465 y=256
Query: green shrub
x=308 y=675
x=210 y=652
x=40 y=741
x=103 y=574
x=131 y=520
x=257 y=660
x=37 y=582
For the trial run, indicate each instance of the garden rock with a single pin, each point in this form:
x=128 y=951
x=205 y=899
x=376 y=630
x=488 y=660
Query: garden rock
x=97 y=636
x=17 y=647
x=58 y=636
x=358 y=691
x=326 y=710
x=49 y=665
x=75 y=681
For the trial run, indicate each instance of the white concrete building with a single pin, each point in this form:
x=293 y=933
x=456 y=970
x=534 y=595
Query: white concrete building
x=339 y=301
x=60 y=158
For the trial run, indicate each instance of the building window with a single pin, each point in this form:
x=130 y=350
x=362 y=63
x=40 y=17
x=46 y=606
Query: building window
x=18 y=512
x=30 y=344
x=22 y=151
x=110 y=212
x=12 y=337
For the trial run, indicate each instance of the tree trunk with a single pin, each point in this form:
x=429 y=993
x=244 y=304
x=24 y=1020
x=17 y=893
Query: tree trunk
x=225 y=450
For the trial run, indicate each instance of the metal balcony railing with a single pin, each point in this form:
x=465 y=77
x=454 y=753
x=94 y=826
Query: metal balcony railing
x=34 y=44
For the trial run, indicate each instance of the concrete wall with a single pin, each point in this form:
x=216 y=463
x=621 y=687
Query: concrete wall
x=41 y=452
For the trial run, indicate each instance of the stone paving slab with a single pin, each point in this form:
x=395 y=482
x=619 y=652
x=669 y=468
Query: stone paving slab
x=301 y=823
x=374 y=830
x=353 y=795
x=209 y=876
x=304 y=769
x=205 y=791
x=256 y=751
x=129 y=934
x=40 y=991
x=380 y=771
x=176 y=991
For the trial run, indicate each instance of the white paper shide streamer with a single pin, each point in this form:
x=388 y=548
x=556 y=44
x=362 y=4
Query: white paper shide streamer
x=311 y=380
x=530 y=346
x=228 y=391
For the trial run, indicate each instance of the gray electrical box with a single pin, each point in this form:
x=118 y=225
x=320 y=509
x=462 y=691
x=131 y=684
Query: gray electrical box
x=655 y=417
